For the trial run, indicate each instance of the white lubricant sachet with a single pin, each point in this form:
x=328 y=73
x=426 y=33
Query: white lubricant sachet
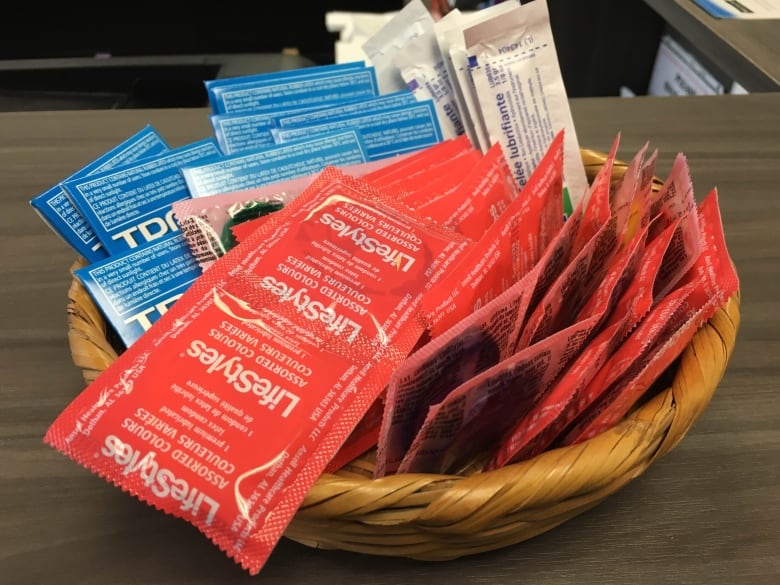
x=411 y=21
x=449 y=34
x=520 y=89
x=422 y=67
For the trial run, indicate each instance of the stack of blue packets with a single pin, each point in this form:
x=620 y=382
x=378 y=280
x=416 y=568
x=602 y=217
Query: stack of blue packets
x=116 y=212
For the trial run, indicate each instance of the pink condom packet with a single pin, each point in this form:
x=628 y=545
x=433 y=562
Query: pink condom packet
x=229 y=408
x=625 y=192
x=209 y=223
x=639 y=213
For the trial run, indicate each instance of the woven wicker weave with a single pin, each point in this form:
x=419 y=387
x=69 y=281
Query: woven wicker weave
x=439 y=517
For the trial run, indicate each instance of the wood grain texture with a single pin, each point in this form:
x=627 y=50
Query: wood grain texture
x=708 y=512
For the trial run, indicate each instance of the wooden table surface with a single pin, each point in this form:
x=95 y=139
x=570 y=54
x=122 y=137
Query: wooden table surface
x=708 y=512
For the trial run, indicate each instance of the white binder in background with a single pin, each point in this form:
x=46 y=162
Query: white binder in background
x=678 y=72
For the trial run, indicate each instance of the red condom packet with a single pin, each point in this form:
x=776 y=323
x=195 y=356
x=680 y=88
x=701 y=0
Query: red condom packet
x=473 y=205
x=508 y=249
x=567 y=295
x=675 y=198
x=478 y=336
x=714 y=281
x=474 y=420
x=595 y=205
x=416 y=163
x=664 y=263
x=443 y=364
x=534 y=431
x=228 y=409
x=435 y=175
x=595 y=244
x=469 y=422
x=435 y=181
x=675 y=203
x=631 y=310
x=241 y=231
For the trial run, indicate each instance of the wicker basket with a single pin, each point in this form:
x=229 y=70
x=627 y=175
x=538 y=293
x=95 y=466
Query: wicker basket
x=439 y=517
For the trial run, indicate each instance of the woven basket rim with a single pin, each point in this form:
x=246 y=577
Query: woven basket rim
x=438 y=517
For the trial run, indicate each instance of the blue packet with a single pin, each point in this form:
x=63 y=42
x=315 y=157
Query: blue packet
x=386 y=133
x=294 y=91
x=132 y=204
x=345 y=110
x=239 y=132
x=246 y=131
x=213 y=86
x=57 y=210
x=135 y=288
x=255 y=168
